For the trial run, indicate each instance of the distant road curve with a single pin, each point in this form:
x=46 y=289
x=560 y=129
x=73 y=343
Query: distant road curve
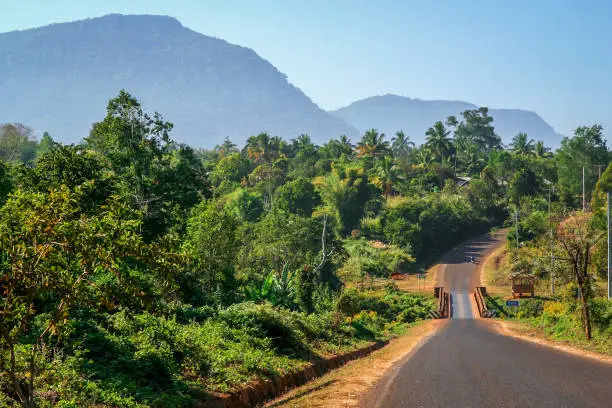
x=467 y=364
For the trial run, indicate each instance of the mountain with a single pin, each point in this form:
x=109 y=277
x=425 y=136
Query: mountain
x=59 y=78
x=390 y=113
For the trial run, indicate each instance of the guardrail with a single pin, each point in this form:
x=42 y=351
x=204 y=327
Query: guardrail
x=479 y=294
x=443 y=304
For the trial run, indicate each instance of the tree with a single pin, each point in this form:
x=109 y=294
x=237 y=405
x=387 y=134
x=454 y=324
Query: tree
x=262 y=148
x=17 y=143
x=149 y=168
x=231 y=168
x=280 y=240
x=53 y=255
x=386 y=174
x=424 y=157
x=211 y=246
x=305 y=157
x=401 y=145
x=136 y=147
x=438 y=141
x=45 y=145
x=477 y=126
x=578 y=239
x=226 y=148
x=70 y=166
x=344 y=193
x=372 y=144
x=6 y=183
x=584 y=150
x=296 y=197
x=522 y=145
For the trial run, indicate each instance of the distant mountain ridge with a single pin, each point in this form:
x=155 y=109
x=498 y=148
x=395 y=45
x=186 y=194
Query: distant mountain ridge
x=59 y=78
x=390 y=113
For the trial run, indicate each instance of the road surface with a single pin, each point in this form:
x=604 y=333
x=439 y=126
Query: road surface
x=466 y=364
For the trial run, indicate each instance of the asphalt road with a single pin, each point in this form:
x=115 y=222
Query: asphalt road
x=466 y=364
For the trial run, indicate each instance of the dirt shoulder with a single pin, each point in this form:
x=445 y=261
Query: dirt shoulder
x=490 y=265
x=525 y=332
x=346 y=386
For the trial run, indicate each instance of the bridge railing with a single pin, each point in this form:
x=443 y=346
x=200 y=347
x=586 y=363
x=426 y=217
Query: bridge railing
x=479 y=295
x=443 y=309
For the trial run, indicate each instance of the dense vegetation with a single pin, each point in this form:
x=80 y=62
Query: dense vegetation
x=565 y=250
x=136 y=271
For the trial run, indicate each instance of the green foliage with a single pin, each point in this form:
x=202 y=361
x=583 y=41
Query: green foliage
x=210 y=244
x=278 y=289
x=245 y=205
x=125 y=284
x=586 y=148
x=296 y=197
x=375 y=259
x=431 y=224
x=17 y=143
x=69 y=166
x=280 y=241
x=345 y=192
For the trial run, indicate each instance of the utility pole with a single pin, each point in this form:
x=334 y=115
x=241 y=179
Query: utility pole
x=552 y=256
x=583 y=192
x=516 y=223
x=609 y=251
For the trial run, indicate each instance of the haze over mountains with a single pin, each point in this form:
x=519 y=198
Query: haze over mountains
x=59 y=78
x=390 y=113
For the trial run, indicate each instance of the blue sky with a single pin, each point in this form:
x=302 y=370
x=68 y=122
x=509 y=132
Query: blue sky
x=553 y=57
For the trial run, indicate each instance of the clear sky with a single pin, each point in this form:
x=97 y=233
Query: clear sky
x=550 y=56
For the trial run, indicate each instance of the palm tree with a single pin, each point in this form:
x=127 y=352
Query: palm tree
x=437 y=140
x=386 y=174
x=423 y=156
x=226 y=148
x=401 y=144
x=263 y=147
x=522 y=145
x=302 y=142
x=372 y=143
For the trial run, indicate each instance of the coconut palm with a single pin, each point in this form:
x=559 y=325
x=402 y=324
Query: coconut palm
x=372 y=143
x=386 y=174
x=401 y=144
x=423 y=156
x=337 y=147
x=263 y=148
x=522 y=145
x=438 y=141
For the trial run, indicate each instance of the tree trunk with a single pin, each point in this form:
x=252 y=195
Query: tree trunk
x=586 y=313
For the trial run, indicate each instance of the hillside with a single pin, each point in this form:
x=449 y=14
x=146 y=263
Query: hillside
x=59 y=77
x=390 y=113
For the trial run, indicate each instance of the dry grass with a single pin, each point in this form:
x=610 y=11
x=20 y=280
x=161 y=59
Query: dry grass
x=404 y=282
x=345 y=386
x=493 y=273
x=410 y=283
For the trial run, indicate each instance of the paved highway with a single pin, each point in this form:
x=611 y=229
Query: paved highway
x=466 y=364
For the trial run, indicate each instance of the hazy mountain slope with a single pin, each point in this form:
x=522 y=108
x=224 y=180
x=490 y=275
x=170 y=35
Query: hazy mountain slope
x=390 y=113
x=59 y=78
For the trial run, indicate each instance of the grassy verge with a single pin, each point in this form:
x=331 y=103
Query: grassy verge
x=190 y=354
x=493 y=273
x=559 y=320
